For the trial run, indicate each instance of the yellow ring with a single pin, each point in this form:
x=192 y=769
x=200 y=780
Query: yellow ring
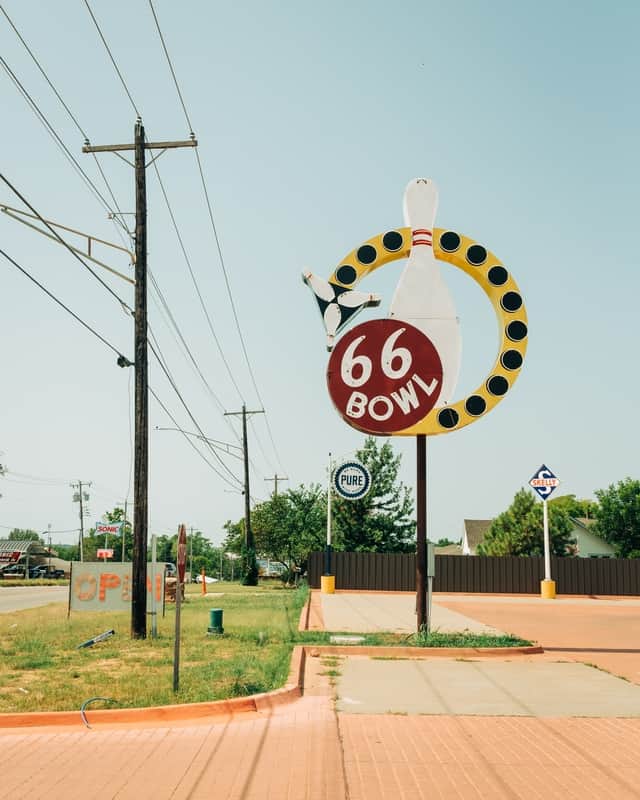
x=496 y=282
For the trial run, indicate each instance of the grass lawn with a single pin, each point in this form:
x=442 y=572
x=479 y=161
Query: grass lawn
x=42 y=669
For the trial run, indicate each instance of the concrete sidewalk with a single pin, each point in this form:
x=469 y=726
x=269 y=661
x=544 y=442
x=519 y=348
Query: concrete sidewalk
x=368 y=612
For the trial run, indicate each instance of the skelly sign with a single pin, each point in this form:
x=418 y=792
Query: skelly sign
x=397 y=376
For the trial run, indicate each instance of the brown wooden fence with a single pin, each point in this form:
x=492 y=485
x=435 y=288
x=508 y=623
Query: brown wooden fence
x=512 y=575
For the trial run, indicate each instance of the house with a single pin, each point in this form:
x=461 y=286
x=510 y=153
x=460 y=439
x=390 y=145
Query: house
x=473 y=532
x=588 y=544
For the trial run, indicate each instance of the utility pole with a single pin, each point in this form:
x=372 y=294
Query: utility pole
x=275 y=480
x=250 y=558
x=80 y=497
x=141 y=445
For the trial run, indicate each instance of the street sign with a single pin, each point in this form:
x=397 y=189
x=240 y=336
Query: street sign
x=384 y=376
x=544 y=482
x=352 y=480
x=182 y=552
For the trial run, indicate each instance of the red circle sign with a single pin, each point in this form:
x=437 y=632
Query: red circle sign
x=384 y=376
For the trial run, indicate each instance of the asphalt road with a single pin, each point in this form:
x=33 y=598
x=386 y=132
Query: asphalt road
x=17 y=598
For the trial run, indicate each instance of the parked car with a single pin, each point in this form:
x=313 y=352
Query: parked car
x=43 y=571
x=14 y=569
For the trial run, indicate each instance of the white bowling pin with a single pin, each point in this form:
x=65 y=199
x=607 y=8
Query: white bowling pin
x=421 y=296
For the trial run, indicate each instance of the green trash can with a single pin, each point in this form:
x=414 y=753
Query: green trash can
x=215 y=621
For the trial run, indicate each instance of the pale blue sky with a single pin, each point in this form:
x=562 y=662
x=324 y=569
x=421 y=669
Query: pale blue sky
x=311 y=119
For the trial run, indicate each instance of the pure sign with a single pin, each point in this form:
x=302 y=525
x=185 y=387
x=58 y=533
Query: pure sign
x=384 y=376
x=352 y=480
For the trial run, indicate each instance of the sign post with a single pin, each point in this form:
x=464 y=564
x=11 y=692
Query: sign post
x=328 y=581
x=544 y=482
x=351 y=481
x=182 y=558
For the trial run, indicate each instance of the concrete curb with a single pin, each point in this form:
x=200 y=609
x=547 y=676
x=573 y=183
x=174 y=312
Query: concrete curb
x=420 y=652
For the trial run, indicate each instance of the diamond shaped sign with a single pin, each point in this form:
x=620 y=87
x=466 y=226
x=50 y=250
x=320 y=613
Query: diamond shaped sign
x=544 y=482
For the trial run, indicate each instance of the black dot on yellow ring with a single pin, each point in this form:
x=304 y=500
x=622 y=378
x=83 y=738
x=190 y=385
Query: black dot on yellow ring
x=346 y=274
x=392 y=241
x=450 y=241
x=476 y=255
x=497 y=385
x=511 y=301
x=498 y=276
x=517 y=330
x=366 y=254
x=511 y=359
x=475 y=405
x=448 y=418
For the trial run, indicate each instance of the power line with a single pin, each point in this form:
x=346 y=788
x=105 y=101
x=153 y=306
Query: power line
x=53 y=133
x=215 y=234
x=173 y=74
x=169 y=377
x=63 y=242
x=195 y=283
x=61 y=304
x=113 y=61
x=117 y=221
x=191 y=443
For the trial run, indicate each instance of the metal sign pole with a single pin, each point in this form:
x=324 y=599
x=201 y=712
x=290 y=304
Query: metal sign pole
x=547 y=546
x=327 y=580
x=154 y=572
x=422 y=619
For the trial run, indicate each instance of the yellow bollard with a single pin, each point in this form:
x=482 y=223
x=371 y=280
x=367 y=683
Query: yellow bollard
x=327 y=584
x=548 y=590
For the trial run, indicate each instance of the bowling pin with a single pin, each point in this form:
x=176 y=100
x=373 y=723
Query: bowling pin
x=421 y=297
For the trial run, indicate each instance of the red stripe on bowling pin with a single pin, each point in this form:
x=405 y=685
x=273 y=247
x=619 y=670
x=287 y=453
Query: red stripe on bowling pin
x=422 y=236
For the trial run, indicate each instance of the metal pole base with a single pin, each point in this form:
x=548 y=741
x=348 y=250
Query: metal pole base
x=548 y=590
x=328 y=584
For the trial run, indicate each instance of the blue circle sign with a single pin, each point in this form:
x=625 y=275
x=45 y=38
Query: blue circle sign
x=352 y=480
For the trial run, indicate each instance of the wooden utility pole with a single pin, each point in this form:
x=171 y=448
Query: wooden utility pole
x=80 y=500
x=275 y=480
x=248 y=533
x=141 y=445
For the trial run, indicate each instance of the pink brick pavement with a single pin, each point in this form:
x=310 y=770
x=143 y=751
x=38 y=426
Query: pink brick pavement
x=304 y=751
x=605 y=635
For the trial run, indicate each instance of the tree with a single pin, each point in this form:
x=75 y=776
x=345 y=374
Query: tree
x=286 y=528
x=382 y=521
x=575 y=507
x=25 y=535
x=618 y=517
x=518 y=531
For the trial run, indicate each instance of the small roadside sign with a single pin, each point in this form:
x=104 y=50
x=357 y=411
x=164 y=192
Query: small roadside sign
x=352 y=480
x=544 y=482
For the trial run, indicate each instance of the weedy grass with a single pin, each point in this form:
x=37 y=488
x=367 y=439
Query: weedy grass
x=41 y=667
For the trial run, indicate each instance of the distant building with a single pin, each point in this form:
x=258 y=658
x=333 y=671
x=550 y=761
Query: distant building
x=588 y=544
x=473 y=532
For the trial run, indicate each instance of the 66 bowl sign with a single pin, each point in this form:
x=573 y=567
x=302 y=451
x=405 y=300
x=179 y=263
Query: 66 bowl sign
x=384 y=375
